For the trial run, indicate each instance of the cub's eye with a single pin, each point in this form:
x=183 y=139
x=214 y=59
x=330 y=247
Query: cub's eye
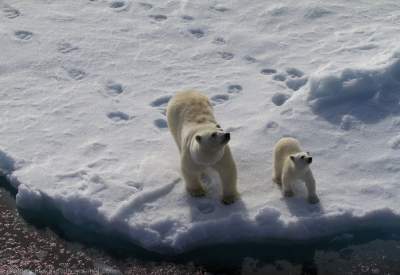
x=213 y=135
x=302 y=157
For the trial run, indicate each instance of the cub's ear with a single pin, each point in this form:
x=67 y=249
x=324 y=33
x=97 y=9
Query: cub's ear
x=292 y=158
x=198 y=138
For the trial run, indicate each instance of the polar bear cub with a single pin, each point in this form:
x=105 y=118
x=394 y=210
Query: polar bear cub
x=291 y=164
x=202 y=143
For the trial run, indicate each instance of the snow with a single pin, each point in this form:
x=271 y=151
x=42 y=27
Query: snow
x=85 y=85
x=355 y=88
x=6 y=164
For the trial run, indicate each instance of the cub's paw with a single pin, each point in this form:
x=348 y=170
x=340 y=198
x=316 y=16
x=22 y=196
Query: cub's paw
x=229 y=199
x=197 y=192
x=313 y=199
x=288 y=193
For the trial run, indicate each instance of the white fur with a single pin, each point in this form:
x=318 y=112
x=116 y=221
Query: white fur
x=291 y=164
x=190 y=115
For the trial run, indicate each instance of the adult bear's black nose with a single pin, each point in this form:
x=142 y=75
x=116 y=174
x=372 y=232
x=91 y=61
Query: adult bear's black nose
x=227 y=136
x=309 y=160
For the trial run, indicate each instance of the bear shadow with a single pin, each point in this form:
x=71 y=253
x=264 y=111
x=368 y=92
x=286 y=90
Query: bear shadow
x=210 y=207
x=298 y=205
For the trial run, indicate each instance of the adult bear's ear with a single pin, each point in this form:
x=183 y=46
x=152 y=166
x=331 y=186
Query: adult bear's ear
x=292 y=158
x=198 y=138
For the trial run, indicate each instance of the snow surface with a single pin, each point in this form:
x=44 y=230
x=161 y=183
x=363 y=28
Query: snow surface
x=84 y=86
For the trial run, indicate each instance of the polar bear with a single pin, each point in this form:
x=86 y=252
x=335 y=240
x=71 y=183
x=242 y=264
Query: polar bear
x=202 y=143
x=291 y=164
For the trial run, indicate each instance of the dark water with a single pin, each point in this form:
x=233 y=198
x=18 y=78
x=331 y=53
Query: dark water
x=361 y=252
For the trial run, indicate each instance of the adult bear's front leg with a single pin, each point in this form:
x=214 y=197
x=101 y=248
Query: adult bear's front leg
x=227 y=171
x=192 y=181
x=287 y=184
x=310 y=185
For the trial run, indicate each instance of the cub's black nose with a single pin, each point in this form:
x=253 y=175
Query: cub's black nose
x=309 y=160
x=227 y=136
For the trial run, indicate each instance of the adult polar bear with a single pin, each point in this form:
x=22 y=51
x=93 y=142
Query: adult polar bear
x=202 y=143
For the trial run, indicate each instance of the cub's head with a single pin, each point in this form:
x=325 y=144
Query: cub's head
x=301 y=159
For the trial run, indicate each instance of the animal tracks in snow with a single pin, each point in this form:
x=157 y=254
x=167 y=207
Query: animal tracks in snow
x=158 y=17
x=76 y=74
x=295 y=84
x=118 y=116
x=249 y=59
x=23 y=35
x=272 y=126
x=187 y=17
x=279 y=98
x=231 y=89
x=293 y=78
x=293 y=72
x=296 y=79
x=219 y=41
x=114 y=88
x=161 y=105
x=219 y=8
x=226 y=55
x=218 y=99
x=65 y=47
x=198 y=33
x=161 y=101
x=279 y=77
x=119 y=5
x=161 y=123
x=146 y=6
x=234 y=89
x=10 y=12
x=268 y=71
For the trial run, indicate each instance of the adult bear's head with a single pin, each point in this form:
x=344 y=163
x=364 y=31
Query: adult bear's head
x=301 y=159
x=208 y=145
